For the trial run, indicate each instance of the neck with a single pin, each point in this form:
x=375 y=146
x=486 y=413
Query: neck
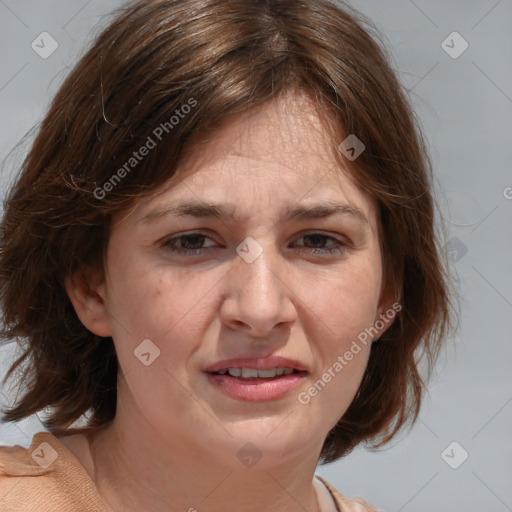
x=136 y=469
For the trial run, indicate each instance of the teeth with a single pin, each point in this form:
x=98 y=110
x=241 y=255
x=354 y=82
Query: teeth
x=267 y=373
x=248 y=373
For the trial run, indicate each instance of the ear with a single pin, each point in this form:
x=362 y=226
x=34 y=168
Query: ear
x=387 y=311
x=87 y=294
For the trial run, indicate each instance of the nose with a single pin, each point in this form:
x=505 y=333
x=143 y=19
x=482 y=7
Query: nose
x=258 y=295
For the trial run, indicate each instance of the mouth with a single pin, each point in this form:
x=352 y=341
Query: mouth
x=256 y=380
x=265 y=367
x=254 y=373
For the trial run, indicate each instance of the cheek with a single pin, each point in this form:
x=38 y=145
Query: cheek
x=345 y=307
x=346 y=301
x=158 y=307
x=165 y=307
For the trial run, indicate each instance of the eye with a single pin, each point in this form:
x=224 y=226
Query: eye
x=192 y=244
x=336 y=246
x=187 y=244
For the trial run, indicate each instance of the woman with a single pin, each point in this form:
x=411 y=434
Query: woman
x=221 y=250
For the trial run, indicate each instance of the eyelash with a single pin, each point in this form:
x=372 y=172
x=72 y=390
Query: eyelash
x=338 y=249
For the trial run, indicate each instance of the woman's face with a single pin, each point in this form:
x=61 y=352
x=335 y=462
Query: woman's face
x=254 y=272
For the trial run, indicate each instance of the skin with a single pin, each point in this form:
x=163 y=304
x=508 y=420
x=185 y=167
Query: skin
x=173 y=443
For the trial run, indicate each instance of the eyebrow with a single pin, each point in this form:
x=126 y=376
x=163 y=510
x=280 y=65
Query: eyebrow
x=224 y=211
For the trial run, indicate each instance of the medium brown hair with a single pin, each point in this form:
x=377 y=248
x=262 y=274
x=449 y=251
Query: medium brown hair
x=227 y=56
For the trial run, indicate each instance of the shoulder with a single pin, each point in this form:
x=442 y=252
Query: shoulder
x=348 y=504
x=45 y=477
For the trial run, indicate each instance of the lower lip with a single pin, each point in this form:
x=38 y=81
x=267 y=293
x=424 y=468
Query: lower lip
x=256 y=390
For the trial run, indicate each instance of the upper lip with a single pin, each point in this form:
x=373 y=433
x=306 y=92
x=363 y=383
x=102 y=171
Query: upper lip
x=266 y=363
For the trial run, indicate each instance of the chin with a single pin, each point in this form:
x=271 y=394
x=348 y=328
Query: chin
x=267 y=442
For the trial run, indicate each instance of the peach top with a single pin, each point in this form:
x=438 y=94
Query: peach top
x=47 y=477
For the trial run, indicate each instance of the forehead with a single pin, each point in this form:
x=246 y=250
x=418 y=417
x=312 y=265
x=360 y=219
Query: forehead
x=289 y=131
x=275 y=155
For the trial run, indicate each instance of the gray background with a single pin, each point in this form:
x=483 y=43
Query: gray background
x=465 y=105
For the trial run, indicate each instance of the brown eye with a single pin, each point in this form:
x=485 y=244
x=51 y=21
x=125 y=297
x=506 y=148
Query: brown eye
x=319 y=239
x=187 y=244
